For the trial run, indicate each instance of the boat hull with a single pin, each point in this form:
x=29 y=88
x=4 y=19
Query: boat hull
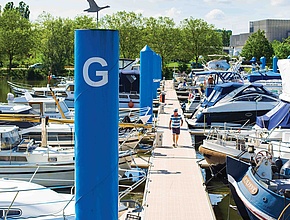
x=254 y=199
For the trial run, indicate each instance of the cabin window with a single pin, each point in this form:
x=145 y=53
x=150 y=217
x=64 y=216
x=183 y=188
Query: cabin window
x=13 y=158
x=11 y=213
x=123 y=96
x=36 y=108
x=50 y=108
x=39 y=93
x=71 y=88
x=134 y=96
x=63 y=107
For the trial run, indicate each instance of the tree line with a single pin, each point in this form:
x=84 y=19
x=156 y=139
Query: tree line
x=50 y=40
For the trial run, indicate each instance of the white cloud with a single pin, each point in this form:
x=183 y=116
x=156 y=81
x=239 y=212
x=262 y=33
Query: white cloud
x=278 y=2
x=215 y=14
x=218 y=1
x=172 y=13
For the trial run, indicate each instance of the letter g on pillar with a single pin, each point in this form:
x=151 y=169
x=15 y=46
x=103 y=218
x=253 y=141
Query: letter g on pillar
x=103 y=74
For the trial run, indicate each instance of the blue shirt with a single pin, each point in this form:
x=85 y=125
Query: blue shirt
x=175 y=121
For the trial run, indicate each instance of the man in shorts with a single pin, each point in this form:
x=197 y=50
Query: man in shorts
x=175 y=123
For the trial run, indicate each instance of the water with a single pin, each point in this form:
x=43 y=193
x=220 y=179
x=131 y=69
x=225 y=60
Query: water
x=220 y=195
x=4 y=89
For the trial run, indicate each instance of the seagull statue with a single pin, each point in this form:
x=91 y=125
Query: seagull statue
x=95 y=8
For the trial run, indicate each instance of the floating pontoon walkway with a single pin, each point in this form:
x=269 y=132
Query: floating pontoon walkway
x=174 y=188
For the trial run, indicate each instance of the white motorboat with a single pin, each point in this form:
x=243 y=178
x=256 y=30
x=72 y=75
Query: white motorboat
x=44 y=106
x=65 y=91
x=30 y=160
x=201 y=88
x=24 y=111
x=27 y=200
x=234 y=104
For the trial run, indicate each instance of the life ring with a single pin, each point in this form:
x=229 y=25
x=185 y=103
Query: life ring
x=130 y=104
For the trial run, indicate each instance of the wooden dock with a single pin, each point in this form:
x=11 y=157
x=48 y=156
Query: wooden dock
x=174 y=188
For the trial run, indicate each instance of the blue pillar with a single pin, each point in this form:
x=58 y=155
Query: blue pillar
x=159 y=69
x=275 y=67
x=96 y=124
x=253 y=60
x=156 y=78
x=263 y=63
x=146 y=79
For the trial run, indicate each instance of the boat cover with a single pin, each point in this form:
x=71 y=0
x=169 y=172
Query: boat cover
x=219 y=92
x=277 y=117
x=263 y=75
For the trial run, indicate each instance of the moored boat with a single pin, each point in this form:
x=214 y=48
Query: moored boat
x=257 y=194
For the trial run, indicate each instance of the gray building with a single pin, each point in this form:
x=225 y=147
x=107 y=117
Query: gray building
x=275 y=29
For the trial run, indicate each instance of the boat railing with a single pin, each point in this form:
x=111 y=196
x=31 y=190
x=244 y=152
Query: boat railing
x=19 y=85
x=136 y=174
x=6 y=211
x=232 y=136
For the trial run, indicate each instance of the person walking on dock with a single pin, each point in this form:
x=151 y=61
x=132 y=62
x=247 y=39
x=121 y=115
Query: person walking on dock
x=175 y=123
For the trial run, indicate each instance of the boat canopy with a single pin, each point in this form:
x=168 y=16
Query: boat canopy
x=219 y=92
x=277 y=117
x=222 y=76
x=263 y=75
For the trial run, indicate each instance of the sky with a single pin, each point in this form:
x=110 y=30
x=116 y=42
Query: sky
x=232 y=15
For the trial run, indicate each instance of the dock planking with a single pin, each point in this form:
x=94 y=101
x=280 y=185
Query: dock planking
x=174 y=188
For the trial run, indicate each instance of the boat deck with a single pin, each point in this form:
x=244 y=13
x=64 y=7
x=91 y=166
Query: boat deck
x=174 y=188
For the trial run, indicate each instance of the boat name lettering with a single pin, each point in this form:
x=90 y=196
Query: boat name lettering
x=103 y=74
x=253 y=189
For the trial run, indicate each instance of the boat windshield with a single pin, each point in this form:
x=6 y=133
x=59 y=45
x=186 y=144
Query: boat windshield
x=10 y=139
x=219 y=92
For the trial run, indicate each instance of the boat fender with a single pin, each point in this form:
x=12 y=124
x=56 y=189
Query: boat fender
x=131 y=104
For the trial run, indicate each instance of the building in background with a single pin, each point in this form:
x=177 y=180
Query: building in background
x=275 y=29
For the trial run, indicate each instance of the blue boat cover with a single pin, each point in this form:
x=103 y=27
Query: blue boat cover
x=219 y=92
x=260 y=75
x=277 y=117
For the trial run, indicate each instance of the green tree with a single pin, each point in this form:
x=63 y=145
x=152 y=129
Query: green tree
x=15 y=36
x=281 y=49
x=56 y=42
x=198 y=39
x=257 y=46
x=226 y=35
x=162 y=28
x=23 y=9
x=84 y=22
x=130 y=26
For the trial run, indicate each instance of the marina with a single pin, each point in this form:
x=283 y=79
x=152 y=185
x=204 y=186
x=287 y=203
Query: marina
x=172 y=182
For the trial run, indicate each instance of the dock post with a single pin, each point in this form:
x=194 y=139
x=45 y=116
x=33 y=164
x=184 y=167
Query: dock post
x=96 y=123
x=146 y=79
